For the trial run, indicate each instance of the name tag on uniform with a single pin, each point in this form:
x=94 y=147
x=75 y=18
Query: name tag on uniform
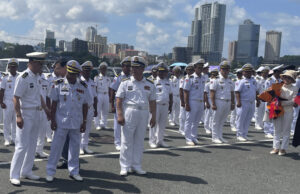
x=147 y=87
x=130 y=88
x=31 y=85
x=64 y=91
x=9 y=80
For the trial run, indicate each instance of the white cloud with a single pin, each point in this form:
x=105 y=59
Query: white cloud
x=74 y=12
x=281 y=19
x=181 y=24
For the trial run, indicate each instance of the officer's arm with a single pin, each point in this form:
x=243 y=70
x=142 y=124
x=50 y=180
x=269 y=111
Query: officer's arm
x=238 y=98
x=232 y=98
x=95 y=103
x=186 y=95
x=206 y=100
x=112 y=97
x=119 y=105
x=84 y=111
x=48 y=102
x=53 y=110
x=152 y=105
x=170 y=102
x=16 y=101
x=213 y=97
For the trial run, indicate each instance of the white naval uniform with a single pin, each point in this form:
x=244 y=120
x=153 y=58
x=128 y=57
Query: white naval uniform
x=117 y=127
x=247 y=89
x=223 y=88
x=206 y=79
x=296 y=110
x=44 y=124
x=27 y=88
x=233 y=112
x=208 y=111
x=163 y=91
x=102 y=82
x=91 y=89
x=70 y=99
x=182 y=109
x=260 y=111
x=1 y=110
x=136 y=96
x=176 y=99
x=9 y=116
x=268 y=125
x=282 y=124
x=195 y=86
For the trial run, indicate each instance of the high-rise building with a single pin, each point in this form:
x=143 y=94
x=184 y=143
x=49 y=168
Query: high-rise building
x=61 y=45
x=207 y=32
x=68 y=47
x=79 y=46
x=50 y=41
x=128 y=52
x=248 y=41
x=182 y=54
x=91 y=32
x=272 y=47
x=232 y=47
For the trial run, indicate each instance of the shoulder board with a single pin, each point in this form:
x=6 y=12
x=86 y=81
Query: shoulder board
x=83 y=83
x=59 y=81
x=25 y=75
x=4 y=74
x=124 y=79
x=191 y=76
x=149 y=80
x=269 y=78
x=48 y=76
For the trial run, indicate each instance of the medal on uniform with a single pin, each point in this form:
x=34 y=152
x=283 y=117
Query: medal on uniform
x=65 y=97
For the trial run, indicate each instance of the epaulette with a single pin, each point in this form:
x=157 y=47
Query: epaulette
x=59 y=81
x=269 y=78
x=25 y=75
x=83 y=83
x=48 y=76
x=126 y=78
x=191 y=76
x=149 y=80
x=4 y=74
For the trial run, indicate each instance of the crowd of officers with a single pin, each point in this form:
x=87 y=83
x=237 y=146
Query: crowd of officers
x=62 y=107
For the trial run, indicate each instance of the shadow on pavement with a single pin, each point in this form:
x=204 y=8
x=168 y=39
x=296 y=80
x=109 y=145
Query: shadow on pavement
x=293 y=155
x=192 y=150
x=175 y=177
x=17 y=191
x=5 y=151
x=235 y=147
x=168 y=153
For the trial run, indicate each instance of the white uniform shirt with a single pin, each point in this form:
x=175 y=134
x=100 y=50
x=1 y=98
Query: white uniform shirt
x=69 y=98
x=195 y=85
x=51 y=80
x=270 y=81
x=298 y=82
x=28 y=89
x=135 y=92
x=163 y=90
x=91 y=88
x=45 y=86
x=247 y=89
x=117 y=81
x=222 y=87
x=175 y=85
x=102 y=83
x=8 y=84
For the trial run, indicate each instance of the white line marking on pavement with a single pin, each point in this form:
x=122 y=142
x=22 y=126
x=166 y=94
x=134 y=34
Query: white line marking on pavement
x=159 y=149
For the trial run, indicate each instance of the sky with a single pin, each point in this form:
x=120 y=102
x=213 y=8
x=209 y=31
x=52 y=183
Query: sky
x=155 y=26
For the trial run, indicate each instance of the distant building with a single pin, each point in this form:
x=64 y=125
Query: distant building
x=128 y=52
x=182 y=54
x=79 y=46
x=232 y=47
x=2 y=43
x=248 y=41
x=116 y=48
x=50 y=41
x=91 y=33
x=272 y=47
x=61 y=45
x=97 y=49
x=207 y=32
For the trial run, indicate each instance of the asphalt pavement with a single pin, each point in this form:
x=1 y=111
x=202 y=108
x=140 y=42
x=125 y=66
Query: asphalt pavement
x=206 y=168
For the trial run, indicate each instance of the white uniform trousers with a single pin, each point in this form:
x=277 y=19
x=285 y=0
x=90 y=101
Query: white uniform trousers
x=192 y=120
x=208 y=119
x=44 y=126
x=133 y=134
x=156 y=134
x=175 y=109
x=117 y=131
x=244 y=115
x=102 y=109
x=182 y=119
x=282 y=127
x=85 y=136
x=219 y=117
x=295 y=117
x=260 y=111
x=26 y=139
x=57 y=145
x=268 y=124
x=233 y=118
x=9 y=122
x=1 y=115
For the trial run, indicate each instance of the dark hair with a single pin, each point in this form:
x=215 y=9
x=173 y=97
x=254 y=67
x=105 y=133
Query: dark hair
x=61 y=61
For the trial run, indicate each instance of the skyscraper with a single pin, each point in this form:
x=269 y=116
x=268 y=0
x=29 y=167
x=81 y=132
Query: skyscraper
x=272 y=48
x=232 y=47
x=91 y=33
x=207 y=32
x=248 y=41
x=50 y=41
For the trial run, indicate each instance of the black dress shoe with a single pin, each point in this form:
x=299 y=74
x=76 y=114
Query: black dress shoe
x=62 y=165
